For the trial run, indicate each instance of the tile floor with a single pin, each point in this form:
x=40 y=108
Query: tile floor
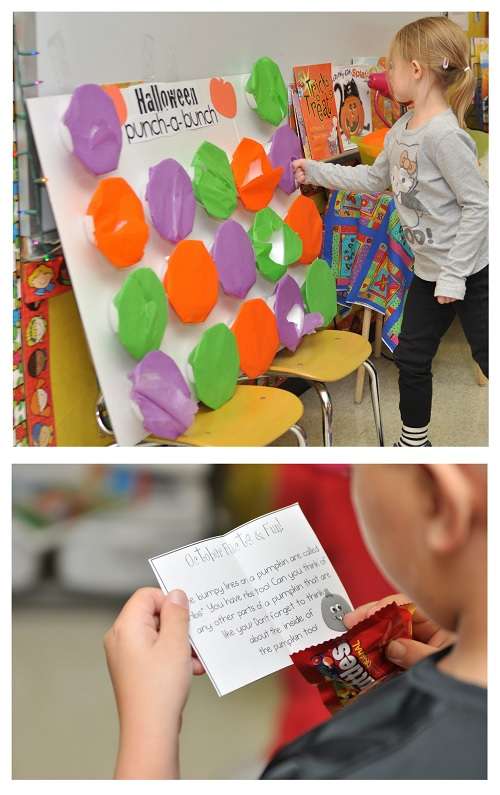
x=456 y=397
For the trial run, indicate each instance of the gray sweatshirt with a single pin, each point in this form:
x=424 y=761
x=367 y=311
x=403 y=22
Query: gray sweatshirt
x=440 y=195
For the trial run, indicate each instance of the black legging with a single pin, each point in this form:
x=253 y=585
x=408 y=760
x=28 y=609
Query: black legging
x=425 y=321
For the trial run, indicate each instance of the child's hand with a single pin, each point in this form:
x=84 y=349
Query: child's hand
x=299 y=171
x=151 y=666
x=428 y=637
x=441 y=299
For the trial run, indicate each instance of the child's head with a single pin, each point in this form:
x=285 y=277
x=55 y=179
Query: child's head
x=426 y=527
x=429 y=52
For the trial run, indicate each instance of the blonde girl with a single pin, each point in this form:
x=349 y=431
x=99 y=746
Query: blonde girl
x=430 y=162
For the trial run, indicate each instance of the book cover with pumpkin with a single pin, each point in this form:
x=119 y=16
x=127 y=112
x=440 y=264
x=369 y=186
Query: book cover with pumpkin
x=352 y=95
x=319 y=110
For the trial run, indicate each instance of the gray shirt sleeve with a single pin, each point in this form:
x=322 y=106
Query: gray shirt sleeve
x=455 y=156
x=356 y=179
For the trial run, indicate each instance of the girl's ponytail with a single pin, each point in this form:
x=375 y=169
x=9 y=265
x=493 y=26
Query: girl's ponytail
x=461 y=93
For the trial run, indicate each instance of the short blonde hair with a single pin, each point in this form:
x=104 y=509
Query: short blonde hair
x=441 y=46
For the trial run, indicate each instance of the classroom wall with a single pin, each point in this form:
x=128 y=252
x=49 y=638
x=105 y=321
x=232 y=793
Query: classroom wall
x=111 y=47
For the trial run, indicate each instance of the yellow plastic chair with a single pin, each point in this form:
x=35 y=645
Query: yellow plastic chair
x=254 y=417
x=482 y=141
x=330 y=356
x=72 y=377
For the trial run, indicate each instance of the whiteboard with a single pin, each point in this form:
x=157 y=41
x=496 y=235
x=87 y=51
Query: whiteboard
x=94 y=280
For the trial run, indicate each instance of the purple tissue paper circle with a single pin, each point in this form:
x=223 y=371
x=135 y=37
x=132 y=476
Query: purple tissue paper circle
x=233 y=254
x=95 y=129
x=161 y=392
x=287 y=295
x=285 y=147
x=171 y=200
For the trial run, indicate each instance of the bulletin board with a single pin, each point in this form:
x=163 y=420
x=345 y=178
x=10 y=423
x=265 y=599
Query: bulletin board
x=94 y=280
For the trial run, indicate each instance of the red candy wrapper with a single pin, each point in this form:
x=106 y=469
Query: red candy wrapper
x=344 y=667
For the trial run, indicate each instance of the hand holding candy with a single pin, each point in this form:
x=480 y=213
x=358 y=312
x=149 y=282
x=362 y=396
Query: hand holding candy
x=428 y=637
x=354 y=661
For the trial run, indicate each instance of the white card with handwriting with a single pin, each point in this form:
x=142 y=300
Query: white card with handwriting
x=257 y=594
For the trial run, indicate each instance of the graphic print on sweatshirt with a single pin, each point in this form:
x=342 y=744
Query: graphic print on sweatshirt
x=404 y=182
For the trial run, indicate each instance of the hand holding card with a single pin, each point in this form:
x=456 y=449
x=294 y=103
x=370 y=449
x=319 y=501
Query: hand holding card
x=257 y=595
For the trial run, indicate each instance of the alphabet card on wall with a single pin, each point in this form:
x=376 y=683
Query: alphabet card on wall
x=145 y=178
x=257 y=595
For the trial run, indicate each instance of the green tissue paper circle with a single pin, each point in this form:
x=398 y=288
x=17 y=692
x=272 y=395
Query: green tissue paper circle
x=142 y=310
x=216 y=365
x=320 y=290
x=268 y=88
x=266 y=222
x=213 y=182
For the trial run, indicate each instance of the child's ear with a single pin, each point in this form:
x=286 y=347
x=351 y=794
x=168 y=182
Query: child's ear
x=416 y=70
x=451 y=521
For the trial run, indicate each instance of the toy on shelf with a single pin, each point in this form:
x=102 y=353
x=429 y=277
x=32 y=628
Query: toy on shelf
x=254 y=175
x=293 y=322
x=140 y=312
x=191 y=281
x=266 y=224
x=378 y=82
x=215 y=363
x=234 y=257
x=269 y=92
x=213 y=182
x=162 y=396
x=117 y=223
x=256 y=333
x=170 y=198
x=371 y=145
x=95 y=134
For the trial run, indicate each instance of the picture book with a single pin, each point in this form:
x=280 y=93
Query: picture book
x=352 y=96
x=299 y=123
x=291 y=113
x=318 y=107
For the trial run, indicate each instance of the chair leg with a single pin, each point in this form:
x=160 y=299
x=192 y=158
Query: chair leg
x=299 y=434
x=102 y=417
x=379 y=324
x=327 y=411
x=375 y=395
x=360 y=376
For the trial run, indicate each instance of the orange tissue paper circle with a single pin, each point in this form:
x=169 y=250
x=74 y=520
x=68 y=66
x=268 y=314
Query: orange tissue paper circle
x=223 y=97
x=120 y=228
x=191 y=281
x=257 y=337
x=304 y=218
x=256 y=193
